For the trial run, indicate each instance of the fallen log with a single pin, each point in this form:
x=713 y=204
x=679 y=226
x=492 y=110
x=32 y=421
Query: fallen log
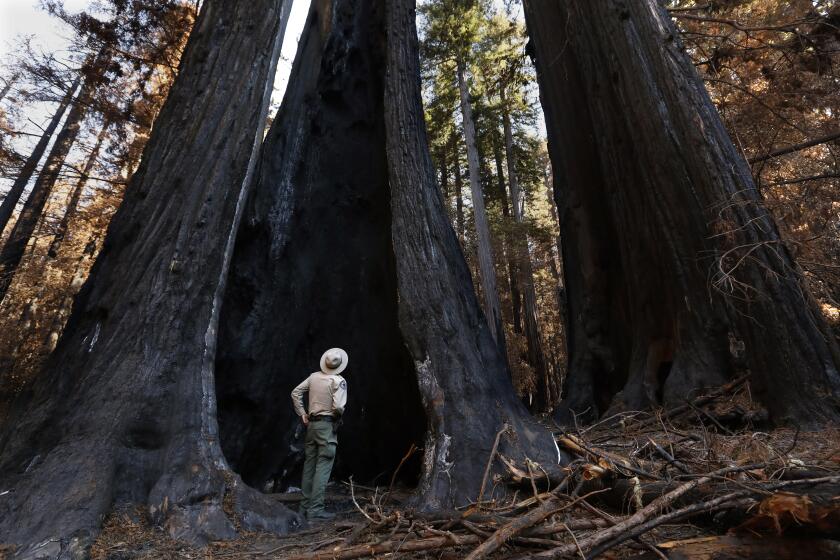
x=746 y=547
x=638 y=518
x=515 y=527
x=648 y=517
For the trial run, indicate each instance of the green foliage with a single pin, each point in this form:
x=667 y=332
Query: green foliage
x=502 y=81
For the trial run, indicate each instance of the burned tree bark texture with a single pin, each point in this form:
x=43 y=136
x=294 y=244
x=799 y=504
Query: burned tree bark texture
x=463 y=378
x=31 y=164
x=124 y=412
x=313 y=267
x=668 y=252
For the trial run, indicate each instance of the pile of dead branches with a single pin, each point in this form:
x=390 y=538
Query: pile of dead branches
x=632 y=473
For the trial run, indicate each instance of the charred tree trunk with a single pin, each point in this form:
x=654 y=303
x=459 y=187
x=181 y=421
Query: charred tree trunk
x=125 y=410
x=484 y=244
x=28 y=169
x=463 y=377
x=76 y=194
x=515 y=296
x=33 y=208
x=546 y=385
x=667 y=248
x=313 y=266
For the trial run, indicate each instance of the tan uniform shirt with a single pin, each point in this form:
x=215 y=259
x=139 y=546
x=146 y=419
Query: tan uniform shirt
x=327 y=394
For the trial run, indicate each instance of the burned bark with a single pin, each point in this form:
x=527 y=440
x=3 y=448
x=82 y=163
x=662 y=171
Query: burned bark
x=124 y=412
x=463 y=378
x=667 y=249
x=313 y=267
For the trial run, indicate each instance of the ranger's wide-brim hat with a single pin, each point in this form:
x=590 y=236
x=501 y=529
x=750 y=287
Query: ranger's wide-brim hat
x=334 y=352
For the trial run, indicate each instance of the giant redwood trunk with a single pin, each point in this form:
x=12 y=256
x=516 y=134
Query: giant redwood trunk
x=313 y=267
x=667 y=249
x=462 y=375
x=124 y=412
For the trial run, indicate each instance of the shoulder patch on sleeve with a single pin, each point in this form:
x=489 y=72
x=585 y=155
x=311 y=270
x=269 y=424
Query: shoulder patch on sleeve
x=343 y=385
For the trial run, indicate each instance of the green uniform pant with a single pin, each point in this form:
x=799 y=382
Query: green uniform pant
x=321 y=442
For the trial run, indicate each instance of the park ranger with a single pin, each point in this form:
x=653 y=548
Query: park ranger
x=327 y=398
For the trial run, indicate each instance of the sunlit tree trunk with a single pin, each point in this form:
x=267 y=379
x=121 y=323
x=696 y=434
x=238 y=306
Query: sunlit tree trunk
x=460 y=222
x=7 y=208
x=546 y=385
x=492 y=308
x=515 y=296
x=15 y=246
x=76 y=194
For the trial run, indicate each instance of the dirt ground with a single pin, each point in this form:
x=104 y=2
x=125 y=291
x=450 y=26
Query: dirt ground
x=128 y=535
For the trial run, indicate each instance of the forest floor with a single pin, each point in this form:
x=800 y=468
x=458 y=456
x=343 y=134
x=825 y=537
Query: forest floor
x=701 y=481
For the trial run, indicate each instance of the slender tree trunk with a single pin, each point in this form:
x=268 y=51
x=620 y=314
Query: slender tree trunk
x=546 y=384
x=7 y=208
x=667 y=248
x=7 y=86
x=492 y=308
x=462 y=375
x=77 y=279
x=461 y=225
x=556 y=258
x=444 y=175
x=515 y=296
x=15 y=246
x=124 y=412
x=76 y=194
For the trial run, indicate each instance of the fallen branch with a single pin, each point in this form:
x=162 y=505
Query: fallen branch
x=668 y=457
x=361 y=551
x=515 y=527
x=797 y=147
x=577 y=445
x=642 y=515
x=490 y=462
